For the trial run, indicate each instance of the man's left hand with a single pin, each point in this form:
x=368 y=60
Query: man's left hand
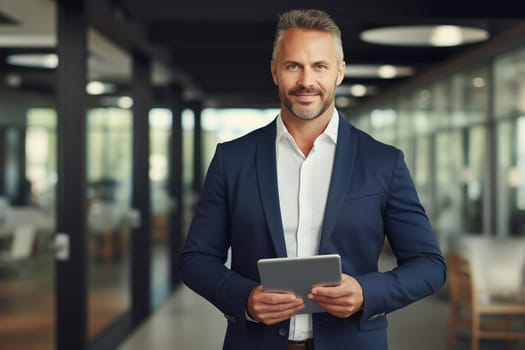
x=341 y=301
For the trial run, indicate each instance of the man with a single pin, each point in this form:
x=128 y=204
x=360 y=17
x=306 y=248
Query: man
x=309 y=183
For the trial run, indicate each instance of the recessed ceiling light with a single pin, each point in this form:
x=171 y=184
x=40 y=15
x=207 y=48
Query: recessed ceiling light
x=356 y=90
x=125 y=102
x=428 y=35
x=34 y=60
x=478 y=82
x=99 y=88
x=13 y=80
x=385 y=71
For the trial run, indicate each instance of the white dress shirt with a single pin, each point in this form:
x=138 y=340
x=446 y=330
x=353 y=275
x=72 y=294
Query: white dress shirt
x=303 y=184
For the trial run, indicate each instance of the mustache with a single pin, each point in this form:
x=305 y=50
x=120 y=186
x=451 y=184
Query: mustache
x=304 y=90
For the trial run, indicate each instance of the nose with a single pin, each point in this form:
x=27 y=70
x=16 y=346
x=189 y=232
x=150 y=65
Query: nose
x=306 y=78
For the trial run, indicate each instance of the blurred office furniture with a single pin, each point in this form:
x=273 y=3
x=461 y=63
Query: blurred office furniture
x=161 y=207
x=21 y=247
x=42 y=222
x=4 y=205
x=487 y=291
x=39 y=219
x=107 y=226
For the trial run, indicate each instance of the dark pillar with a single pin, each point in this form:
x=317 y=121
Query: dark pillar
x=3 y=151
x=176 y=218
x=197 y=150
x=71 y=277
x=141 y=235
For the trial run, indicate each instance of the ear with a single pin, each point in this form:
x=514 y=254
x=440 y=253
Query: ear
x=341 y=73
x=273 y=68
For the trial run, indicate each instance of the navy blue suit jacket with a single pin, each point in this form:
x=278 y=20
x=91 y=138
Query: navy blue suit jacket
x=371 y=196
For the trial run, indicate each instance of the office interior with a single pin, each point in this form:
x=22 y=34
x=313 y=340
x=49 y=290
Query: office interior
x=104 y=146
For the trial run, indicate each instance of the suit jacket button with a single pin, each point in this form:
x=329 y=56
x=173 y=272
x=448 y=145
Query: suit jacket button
x=282 y=332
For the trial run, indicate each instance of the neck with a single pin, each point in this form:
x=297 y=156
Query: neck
x=304 y=131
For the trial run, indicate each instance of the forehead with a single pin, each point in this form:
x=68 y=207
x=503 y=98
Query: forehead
x=298 y=44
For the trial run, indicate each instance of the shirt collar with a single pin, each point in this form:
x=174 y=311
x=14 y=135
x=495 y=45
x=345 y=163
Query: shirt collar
x=330 y=131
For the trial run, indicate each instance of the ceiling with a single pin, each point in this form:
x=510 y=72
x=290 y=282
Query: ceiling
x=219 y=51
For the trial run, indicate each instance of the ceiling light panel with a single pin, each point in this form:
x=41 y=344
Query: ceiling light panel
x=385 y=71
x=437 y=35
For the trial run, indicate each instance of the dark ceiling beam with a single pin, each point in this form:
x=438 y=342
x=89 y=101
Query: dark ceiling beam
x=239 y=31
x=161 y=10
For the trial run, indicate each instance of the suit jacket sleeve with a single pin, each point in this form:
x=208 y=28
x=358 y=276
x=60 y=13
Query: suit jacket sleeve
x=206 y=249
x=421 y=269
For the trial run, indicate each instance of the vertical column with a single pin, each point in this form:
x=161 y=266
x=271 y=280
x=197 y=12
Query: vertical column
x=176 y=219
x=141 y=237
x=3 y=148
x=197 y=150
x=433 y=181
x=490 y=181
x=71 y=274
x=23 y=189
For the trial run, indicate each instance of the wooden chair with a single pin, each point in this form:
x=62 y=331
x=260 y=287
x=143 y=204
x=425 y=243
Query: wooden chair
x=485 y=314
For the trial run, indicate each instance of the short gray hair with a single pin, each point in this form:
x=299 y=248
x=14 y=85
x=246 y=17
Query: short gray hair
x=308 y=20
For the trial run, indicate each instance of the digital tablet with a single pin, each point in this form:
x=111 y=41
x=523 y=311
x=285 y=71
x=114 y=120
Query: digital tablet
x=299 y=275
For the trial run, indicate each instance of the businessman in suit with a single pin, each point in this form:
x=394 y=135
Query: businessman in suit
x=309 y=183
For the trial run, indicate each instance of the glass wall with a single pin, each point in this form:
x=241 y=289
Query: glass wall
x=109 y=123
x=509 y=111
x=109 y=138
x=464 y=147
x=188 y=197
x=161 y=203
x=448 y=197
x=473 y=178
x=27 y=178
x=27 y=220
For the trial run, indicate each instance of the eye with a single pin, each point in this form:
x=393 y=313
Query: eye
x=321 y=66
x=292 y=66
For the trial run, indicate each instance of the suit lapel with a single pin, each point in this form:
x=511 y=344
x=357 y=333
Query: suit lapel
x=341 y=174
x=267 y=179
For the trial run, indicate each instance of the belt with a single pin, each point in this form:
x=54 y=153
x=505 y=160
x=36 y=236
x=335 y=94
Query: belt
x=301 y=345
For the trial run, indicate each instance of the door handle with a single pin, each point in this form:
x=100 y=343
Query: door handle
x=60 y=246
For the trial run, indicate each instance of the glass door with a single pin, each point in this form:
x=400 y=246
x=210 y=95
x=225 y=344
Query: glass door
x=27 y=175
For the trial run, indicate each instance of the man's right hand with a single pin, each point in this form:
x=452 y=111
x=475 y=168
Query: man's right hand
x=270 y=308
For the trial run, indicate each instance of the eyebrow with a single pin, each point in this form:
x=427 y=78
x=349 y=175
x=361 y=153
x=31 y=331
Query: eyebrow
x=324 y=62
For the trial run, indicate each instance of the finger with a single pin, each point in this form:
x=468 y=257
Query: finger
x=273 y=316
x=276 y=305
x=277 y=298
x=348 y=286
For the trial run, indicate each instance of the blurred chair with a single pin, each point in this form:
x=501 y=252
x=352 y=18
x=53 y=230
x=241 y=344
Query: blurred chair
x=488 y=313
x=21 y=247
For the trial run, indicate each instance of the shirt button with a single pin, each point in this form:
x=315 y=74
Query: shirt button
x=282 y=332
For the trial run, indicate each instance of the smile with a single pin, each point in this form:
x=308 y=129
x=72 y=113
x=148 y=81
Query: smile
x=306 y=97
